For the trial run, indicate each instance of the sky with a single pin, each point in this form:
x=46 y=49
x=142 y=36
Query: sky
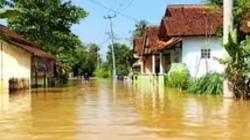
x=94 y=28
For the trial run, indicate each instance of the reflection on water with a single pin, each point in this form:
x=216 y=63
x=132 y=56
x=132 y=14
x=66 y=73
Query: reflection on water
x=101 y=110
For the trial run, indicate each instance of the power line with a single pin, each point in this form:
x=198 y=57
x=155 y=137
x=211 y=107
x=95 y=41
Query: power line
x=112 y=10
x=129 y=4
x=121 y=5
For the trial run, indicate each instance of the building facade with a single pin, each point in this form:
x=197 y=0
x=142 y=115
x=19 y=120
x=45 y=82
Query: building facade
x=19 y=59
x=187 y=34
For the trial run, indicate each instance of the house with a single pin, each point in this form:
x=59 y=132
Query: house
x=187 y=34
x=19 y=59
x=154 y=55
x=197 y=26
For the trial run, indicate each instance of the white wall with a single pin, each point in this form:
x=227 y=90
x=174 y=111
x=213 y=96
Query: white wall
x=15 y=63
x=191 y=55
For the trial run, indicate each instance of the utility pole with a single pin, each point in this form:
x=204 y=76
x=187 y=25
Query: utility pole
x=112 y=44
x=227 y=28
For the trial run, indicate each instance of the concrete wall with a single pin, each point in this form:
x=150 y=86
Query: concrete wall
x=14 y=63
x=191 y=55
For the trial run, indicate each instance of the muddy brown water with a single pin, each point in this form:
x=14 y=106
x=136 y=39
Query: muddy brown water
x=101 y=111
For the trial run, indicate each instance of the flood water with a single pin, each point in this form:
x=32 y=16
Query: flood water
x=101 y=111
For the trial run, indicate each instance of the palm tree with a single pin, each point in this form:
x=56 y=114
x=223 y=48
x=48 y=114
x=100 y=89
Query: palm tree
x=140 y=28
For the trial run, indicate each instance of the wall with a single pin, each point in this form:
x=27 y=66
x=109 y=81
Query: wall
x=14 y=63
x=148 y=65
x=191 y=55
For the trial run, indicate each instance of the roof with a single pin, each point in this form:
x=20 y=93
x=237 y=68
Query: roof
x=151 y=43
x=13 y=35
x=152 y=38
x=34 y=51
x=138 y=45
x=195 y=20
x=191 y=20
x=19 y=41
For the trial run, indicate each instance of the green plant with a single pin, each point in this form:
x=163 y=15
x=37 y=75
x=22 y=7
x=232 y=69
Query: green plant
x=177 y=76
x=211 y=84
x=62 y=73
x=237 y=65
x=102 y=73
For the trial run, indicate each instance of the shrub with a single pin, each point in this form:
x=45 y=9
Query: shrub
x=177 y=76
x=102 y=73
x=211 y=84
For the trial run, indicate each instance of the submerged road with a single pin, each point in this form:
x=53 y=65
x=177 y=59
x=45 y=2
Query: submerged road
x=101 y=111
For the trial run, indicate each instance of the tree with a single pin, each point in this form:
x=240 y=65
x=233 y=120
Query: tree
x=6 y=11
x=241 y=8
x=123 y=58
x=238 y=66
x=48 y=23
x=238 y=48
x=140 y=28
x=215 y=2
x=86 y=59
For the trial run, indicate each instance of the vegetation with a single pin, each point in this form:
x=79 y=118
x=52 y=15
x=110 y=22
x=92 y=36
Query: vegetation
x=211 y=84
x=140 y=29
x=102 y=72
x=5 y=11
x=178 y=76
x=238 y=48
x=238 y=66
x=48 y=24
x=86 y=59
x=123 y=59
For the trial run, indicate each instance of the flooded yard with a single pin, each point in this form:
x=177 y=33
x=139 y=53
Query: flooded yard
x=101 y=111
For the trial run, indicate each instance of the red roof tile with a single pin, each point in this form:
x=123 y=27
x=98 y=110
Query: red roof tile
x=19 y=41
x=34 y=51
x=191 y=20
x=151 y=42
x=168 y=44
x=138 y=45
x=13 y=35
x=152 y=37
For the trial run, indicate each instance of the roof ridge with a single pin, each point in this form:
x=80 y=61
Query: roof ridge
x=187 y=6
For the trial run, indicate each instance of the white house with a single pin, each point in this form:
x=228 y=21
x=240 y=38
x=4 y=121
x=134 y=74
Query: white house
x=197 y=26
x=187 y=34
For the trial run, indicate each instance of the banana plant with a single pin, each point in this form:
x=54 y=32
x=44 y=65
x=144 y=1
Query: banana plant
x=238 y=64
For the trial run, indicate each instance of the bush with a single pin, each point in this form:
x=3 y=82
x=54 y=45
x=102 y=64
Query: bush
x=178 y=76
x=211 y=84
x=102 y=73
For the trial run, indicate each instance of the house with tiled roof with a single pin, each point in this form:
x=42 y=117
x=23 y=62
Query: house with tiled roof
x=187 y=34
x=197 y=26
x=18 y=60
x=148 y=48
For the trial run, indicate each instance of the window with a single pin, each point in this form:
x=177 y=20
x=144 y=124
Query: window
x=205 y=53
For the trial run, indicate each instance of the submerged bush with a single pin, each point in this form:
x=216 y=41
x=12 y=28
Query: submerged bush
x=211 y=84
x=102 y=73
x=177 y=76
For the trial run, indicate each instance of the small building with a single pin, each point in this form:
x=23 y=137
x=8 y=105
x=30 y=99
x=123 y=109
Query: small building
x=154 y=55
x=187 y=34
x=197 y=26
x=19 y=58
